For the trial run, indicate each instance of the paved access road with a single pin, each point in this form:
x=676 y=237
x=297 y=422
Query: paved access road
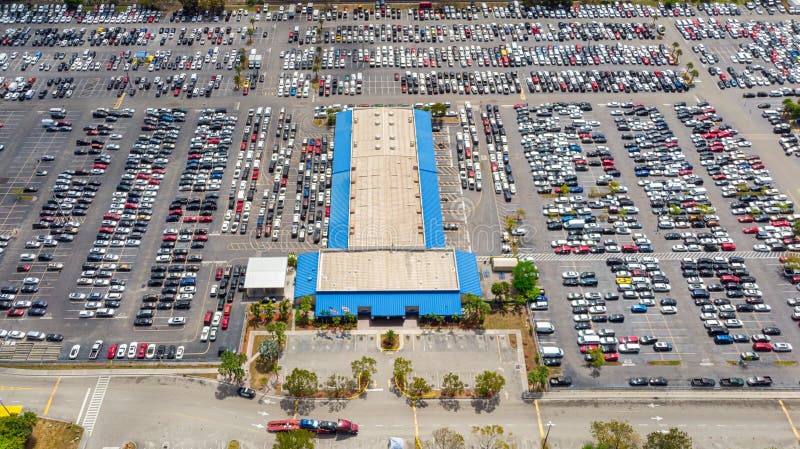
x=159 y=411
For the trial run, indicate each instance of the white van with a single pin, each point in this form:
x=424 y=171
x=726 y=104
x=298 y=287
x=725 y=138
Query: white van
x=589 y=340
x=551 y=352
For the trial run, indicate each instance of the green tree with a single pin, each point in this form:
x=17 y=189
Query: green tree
x=339 y=385
x=237 y=79
x=291 y=260
x=613 y=187
x=598 y=358
x=72 y=4
x=302 y=317
x=255 y=310
x=296 y=439
x=563 y=190
x=796 y=227
x=672 y=439
x=269 y=350
x=250 y=32
x=231 y=366
x=501 y=290
x=524 y=277
x=363 y=369
x=301 y=383
x=446 y=438
x=402 y=368
x=284 y=310
x=16 y=429
x=268 y=309
x=452 y=385
x=488 y=384
x=492 y=437
x=389 y=339
x=438 y=109
x=475 y=308
x=278 y=330
x=537 y=378
x=418 y=387
x=615 y=434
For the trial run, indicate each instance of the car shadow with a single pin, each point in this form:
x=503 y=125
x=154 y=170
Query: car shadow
x=225 y=391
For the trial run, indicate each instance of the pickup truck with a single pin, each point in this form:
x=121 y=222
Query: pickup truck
x=95 y=352
x=759 y=381
x=731 y=382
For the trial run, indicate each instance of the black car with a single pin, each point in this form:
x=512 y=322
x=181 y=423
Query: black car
x=771 y=330
x=638 y=381
x=245 y=392
x=669 y=302
x=171 y=352
x=703 y=382
x=143 y=322
x=549 y=361
x=560 y=381
x=37 y=311
x=648 y=340
x=616 y=318
x=54 y=337
x=658 y=381
x=160 y=351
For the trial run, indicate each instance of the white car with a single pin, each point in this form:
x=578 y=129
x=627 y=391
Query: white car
x=132 y=349
x=73 y=353
x=733 y=323
x=669 y=310
x=121 y=350
x=16 y=335
x=179 y=353
x=213 y=334
x=177 y=321
x=204 y=333
x=27 y=257
x=86 y=314
x=782 y=347
x=151 y=351
x=216 y=319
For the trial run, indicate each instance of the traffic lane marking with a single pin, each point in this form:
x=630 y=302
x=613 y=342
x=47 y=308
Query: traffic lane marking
x=52 y=395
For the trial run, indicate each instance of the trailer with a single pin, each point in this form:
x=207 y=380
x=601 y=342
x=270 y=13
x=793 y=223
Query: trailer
x=283 y=425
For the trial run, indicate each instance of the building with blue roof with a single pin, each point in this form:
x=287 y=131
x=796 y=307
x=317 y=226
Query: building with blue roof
x=386 y=254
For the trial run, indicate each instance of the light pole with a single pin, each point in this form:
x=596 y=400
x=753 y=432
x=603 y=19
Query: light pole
x=549 y=426
x=5 y=408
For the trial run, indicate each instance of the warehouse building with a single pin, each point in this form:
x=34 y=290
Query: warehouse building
x=386 y=254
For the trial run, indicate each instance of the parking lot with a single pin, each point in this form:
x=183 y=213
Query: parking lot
x=543 y=118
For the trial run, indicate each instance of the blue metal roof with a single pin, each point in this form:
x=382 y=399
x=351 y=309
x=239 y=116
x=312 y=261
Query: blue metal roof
x=431 y=209
x=424 y=136
x=305 y=282
x=469 y=280
x=428 y=181
x=383 y=304
x=339 y=224
x=341 y=141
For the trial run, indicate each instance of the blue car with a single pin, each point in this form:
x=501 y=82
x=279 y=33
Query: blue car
x=576 y=189
x=309 y=424
x=638 y=308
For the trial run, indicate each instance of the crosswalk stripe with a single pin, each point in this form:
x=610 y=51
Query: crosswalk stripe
x=90 y=418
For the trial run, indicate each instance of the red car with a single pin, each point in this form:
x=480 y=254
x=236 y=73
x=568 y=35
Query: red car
x=728 y=246
x=586 y=348
x=750 y=230
x=746 y=219
x=112 y=352
x=563 y=249
x=140 y=353
x=225 y=320
x=762 y=347
x=629 y=339
x=218 y=274
x=15 y=312
x=207 y=318
x=611 y=357
x=23 y=268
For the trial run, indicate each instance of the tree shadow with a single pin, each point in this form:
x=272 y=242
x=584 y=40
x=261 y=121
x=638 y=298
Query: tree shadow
x=336 y=405
x=225 y=390
x=595 y=372
x=486 y=405
x=451 y=405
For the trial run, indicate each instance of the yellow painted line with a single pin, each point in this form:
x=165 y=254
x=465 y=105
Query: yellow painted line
x=499 y=354
x=539 y=418
x=296 y=403
x=11 y=388
x=52 y=395
x=416 y=425
x=789 y=418
x=119 y=101
x=10 y=409
x=522 y=94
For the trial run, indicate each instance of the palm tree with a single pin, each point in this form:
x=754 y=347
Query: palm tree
x=678 y=54
x=237 y=80
x=316 y=68
x=689 y=66
x=675 y=46
x=694 y=74
x=250 y=32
